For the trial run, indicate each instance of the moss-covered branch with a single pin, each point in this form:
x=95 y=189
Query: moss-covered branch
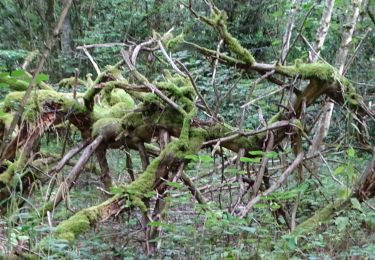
x=218 y=20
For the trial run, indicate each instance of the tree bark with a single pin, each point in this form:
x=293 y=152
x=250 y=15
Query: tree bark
x=66 y=41
x=347 y=36
x=323 y=30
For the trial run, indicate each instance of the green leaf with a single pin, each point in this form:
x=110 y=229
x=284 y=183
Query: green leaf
x=339 y=169
x=206 y=158
x=271 y=154
x=150 y=194
x=341 y=223
x=275 y=205
x=292 y=242
x=356 y=204
x=155 y=224
x=260 y=206
x=174 y=184
x=351 y=152
x=248 y=229
x=115 y=190
x=256 y=152
x=18 y=73
x=41 y=77
x=3 y=85
x=192 y=157
x=250 y=160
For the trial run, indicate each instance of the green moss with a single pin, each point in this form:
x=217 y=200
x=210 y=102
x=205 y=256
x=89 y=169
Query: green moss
x=146 y=180
x=137 y=202
x=318 y=70
x=15 y=168
x=6 y=118
x=75 y=225
x=132 y=120
x=109 y=128
x=151 y=98
x=46 y=207
x=14 y=84
x=118 y=110
x=70 y=82
x=38 y=103
x=178 y=89
x=6 y=177
x=175 y=42
x=324 y=72
x=189 y=142
x=119 y=95
x=219 y=21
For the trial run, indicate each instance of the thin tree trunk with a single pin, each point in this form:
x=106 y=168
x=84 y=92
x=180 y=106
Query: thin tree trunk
x=347 y=36
x=323 y=30
x=288 y=33
x=66 y=36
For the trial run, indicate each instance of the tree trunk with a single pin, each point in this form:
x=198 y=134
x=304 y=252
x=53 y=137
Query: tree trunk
x=66 y=42
x=323 y=30
x=288 y=32
x=347 y=35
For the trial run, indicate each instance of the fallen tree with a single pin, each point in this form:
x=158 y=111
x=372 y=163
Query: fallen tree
x=160 y=120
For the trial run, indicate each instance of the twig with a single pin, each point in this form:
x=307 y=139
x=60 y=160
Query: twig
x=102 y=45
x=145 y=82
x=96 y=67
x=370 y=14
x=77 y=169
x=169 y=59
x=213 y=83
x=275 y=125
x=196 y=193
x=275 y=186
x=347 y=65
x=263 y=166
x=329 y=169
x=300 y=31
x=260 y=98
x=138 y=48
x=208 y=110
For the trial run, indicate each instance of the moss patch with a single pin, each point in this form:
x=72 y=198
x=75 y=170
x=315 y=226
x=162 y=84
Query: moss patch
x=109 y=128
x=43 y=101
x=318 y=70
x=219 y=21
x=75 y=225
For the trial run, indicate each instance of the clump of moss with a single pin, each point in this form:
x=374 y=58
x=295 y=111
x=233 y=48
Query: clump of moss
x=41 y=102
x=318 y=70
x=146 y=180
x=177 y=88
x=70 y=82
x=219 y=21
x=6 y=177
x=15 y=168
x=132 y=120
x=189 y=142
x=120 y=95
x=76 y=224
x=175 y=42
x=6 y=118
x=117 y=111
x=109 y=128
x=46 y=207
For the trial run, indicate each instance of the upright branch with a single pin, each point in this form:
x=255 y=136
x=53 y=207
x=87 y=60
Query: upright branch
x=322 y=32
